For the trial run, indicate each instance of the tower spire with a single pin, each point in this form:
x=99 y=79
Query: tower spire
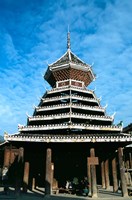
x=68 y=39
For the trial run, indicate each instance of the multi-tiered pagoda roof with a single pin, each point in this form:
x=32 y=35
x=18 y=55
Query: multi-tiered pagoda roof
x=69 y=111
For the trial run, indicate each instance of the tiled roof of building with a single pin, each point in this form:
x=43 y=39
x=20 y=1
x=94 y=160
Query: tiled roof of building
x=68 y=57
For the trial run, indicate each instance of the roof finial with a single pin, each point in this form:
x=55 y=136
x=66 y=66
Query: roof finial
x=68 y=39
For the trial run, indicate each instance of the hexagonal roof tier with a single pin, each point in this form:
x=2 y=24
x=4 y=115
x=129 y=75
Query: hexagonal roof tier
x=69 y=66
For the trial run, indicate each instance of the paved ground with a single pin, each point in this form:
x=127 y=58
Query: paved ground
x=38 y=194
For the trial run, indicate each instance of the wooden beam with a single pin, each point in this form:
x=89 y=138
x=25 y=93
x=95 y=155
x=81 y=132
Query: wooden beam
x=93 y=160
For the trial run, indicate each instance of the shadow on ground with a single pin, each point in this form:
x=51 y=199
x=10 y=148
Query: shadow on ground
x=38 y=194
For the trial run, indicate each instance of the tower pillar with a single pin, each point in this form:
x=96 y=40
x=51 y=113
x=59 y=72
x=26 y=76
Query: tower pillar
x=48 y=176
x=107 y=180
x=26 y=176
x=93 y=175
x=89 y=178
x=122 y=172
x=6 y=165
x=103 y=174
x=6 y=157
x=19 y=170
x=114 y=174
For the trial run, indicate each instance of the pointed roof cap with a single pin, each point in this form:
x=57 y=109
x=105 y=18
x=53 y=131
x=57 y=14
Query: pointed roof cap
x=68 y=56
x=68 y=40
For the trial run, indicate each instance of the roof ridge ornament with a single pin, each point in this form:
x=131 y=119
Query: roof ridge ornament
x=113 y=115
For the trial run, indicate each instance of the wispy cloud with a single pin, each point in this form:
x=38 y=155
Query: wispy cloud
x=33 y=33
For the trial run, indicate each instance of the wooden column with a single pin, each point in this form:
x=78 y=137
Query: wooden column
x=89 y=179
x=122 y=173
x=6 y=157
x=26 y=176
x=33 y=184
x=127 y=164
x=130 y=158
x=103 y=174
x=52 y=174
x=5 y=169
x=107 y=180
x=12 y=156
x=114 y=174
x=93 y=175
x=19 y=170
x=48 y=176
x=21 y=154
x=126 y=160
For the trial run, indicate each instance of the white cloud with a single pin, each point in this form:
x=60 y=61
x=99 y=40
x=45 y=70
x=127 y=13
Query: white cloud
x=100 y=33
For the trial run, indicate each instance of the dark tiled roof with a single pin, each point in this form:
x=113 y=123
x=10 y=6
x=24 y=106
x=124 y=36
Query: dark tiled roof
x=66 y=58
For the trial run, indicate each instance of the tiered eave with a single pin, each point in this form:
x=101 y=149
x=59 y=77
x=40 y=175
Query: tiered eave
x=69 y=112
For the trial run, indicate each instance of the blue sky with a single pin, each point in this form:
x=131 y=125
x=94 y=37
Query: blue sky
x=33 y=33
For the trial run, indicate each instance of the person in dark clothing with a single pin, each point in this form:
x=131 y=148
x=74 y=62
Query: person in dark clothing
x=84 y=187
x=75 y=184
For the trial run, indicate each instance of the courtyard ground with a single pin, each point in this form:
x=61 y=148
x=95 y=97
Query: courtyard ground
x=38 y=194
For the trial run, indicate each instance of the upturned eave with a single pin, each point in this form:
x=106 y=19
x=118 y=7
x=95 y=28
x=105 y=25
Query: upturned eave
x=72 y=105
x=81 y=126
x=70 y=115
x=70 y=139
